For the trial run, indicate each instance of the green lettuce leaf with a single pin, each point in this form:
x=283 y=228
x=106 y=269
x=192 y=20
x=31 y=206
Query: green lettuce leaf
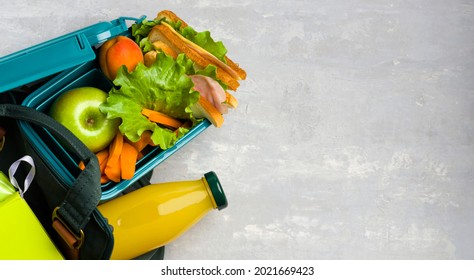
x=140 y=33
x=191 y=69
x=162 y=87
x=202 y=39
x=141 y=30
x=146 y=45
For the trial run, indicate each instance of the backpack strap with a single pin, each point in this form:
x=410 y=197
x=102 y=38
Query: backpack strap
x=73 y=214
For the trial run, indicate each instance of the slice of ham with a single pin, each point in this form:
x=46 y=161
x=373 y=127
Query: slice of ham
x=211 y=90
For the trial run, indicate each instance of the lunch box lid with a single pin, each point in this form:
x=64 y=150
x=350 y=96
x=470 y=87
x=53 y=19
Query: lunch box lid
x=53 y=56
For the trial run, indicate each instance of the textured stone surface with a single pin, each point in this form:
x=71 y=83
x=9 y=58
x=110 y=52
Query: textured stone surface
x=353 y=138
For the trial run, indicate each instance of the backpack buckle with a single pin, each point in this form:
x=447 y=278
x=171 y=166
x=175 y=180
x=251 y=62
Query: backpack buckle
x=73 y=241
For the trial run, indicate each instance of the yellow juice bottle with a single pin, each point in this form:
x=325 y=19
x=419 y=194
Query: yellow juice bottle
x=155 y=215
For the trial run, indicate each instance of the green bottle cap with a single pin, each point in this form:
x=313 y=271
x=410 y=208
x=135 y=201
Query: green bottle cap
x=216 y=189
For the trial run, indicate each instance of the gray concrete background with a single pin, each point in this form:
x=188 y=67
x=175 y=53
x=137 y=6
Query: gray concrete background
x=353 y=138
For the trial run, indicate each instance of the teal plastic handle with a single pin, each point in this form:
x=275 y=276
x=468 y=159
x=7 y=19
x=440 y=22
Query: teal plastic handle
x=58 y=54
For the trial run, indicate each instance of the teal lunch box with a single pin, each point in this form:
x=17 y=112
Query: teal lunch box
x=65 y=63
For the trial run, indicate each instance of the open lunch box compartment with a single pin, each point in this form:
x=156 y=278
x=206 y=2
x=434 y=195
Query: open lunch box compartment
x=64 y=63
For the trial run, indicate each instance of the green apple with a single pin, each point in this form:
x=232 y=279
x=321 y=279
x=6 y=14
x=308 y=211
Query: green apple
x=78 y=110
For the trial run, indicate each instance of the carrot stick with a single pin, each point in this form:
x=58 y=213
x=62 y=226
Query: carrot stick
x=81 y=165
x=102 y=158
x=104 y=179
x=230 y=100
x=145 y=139
x=210 y=112
x=112 y=169
x=128 y=159
x=161 y=118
